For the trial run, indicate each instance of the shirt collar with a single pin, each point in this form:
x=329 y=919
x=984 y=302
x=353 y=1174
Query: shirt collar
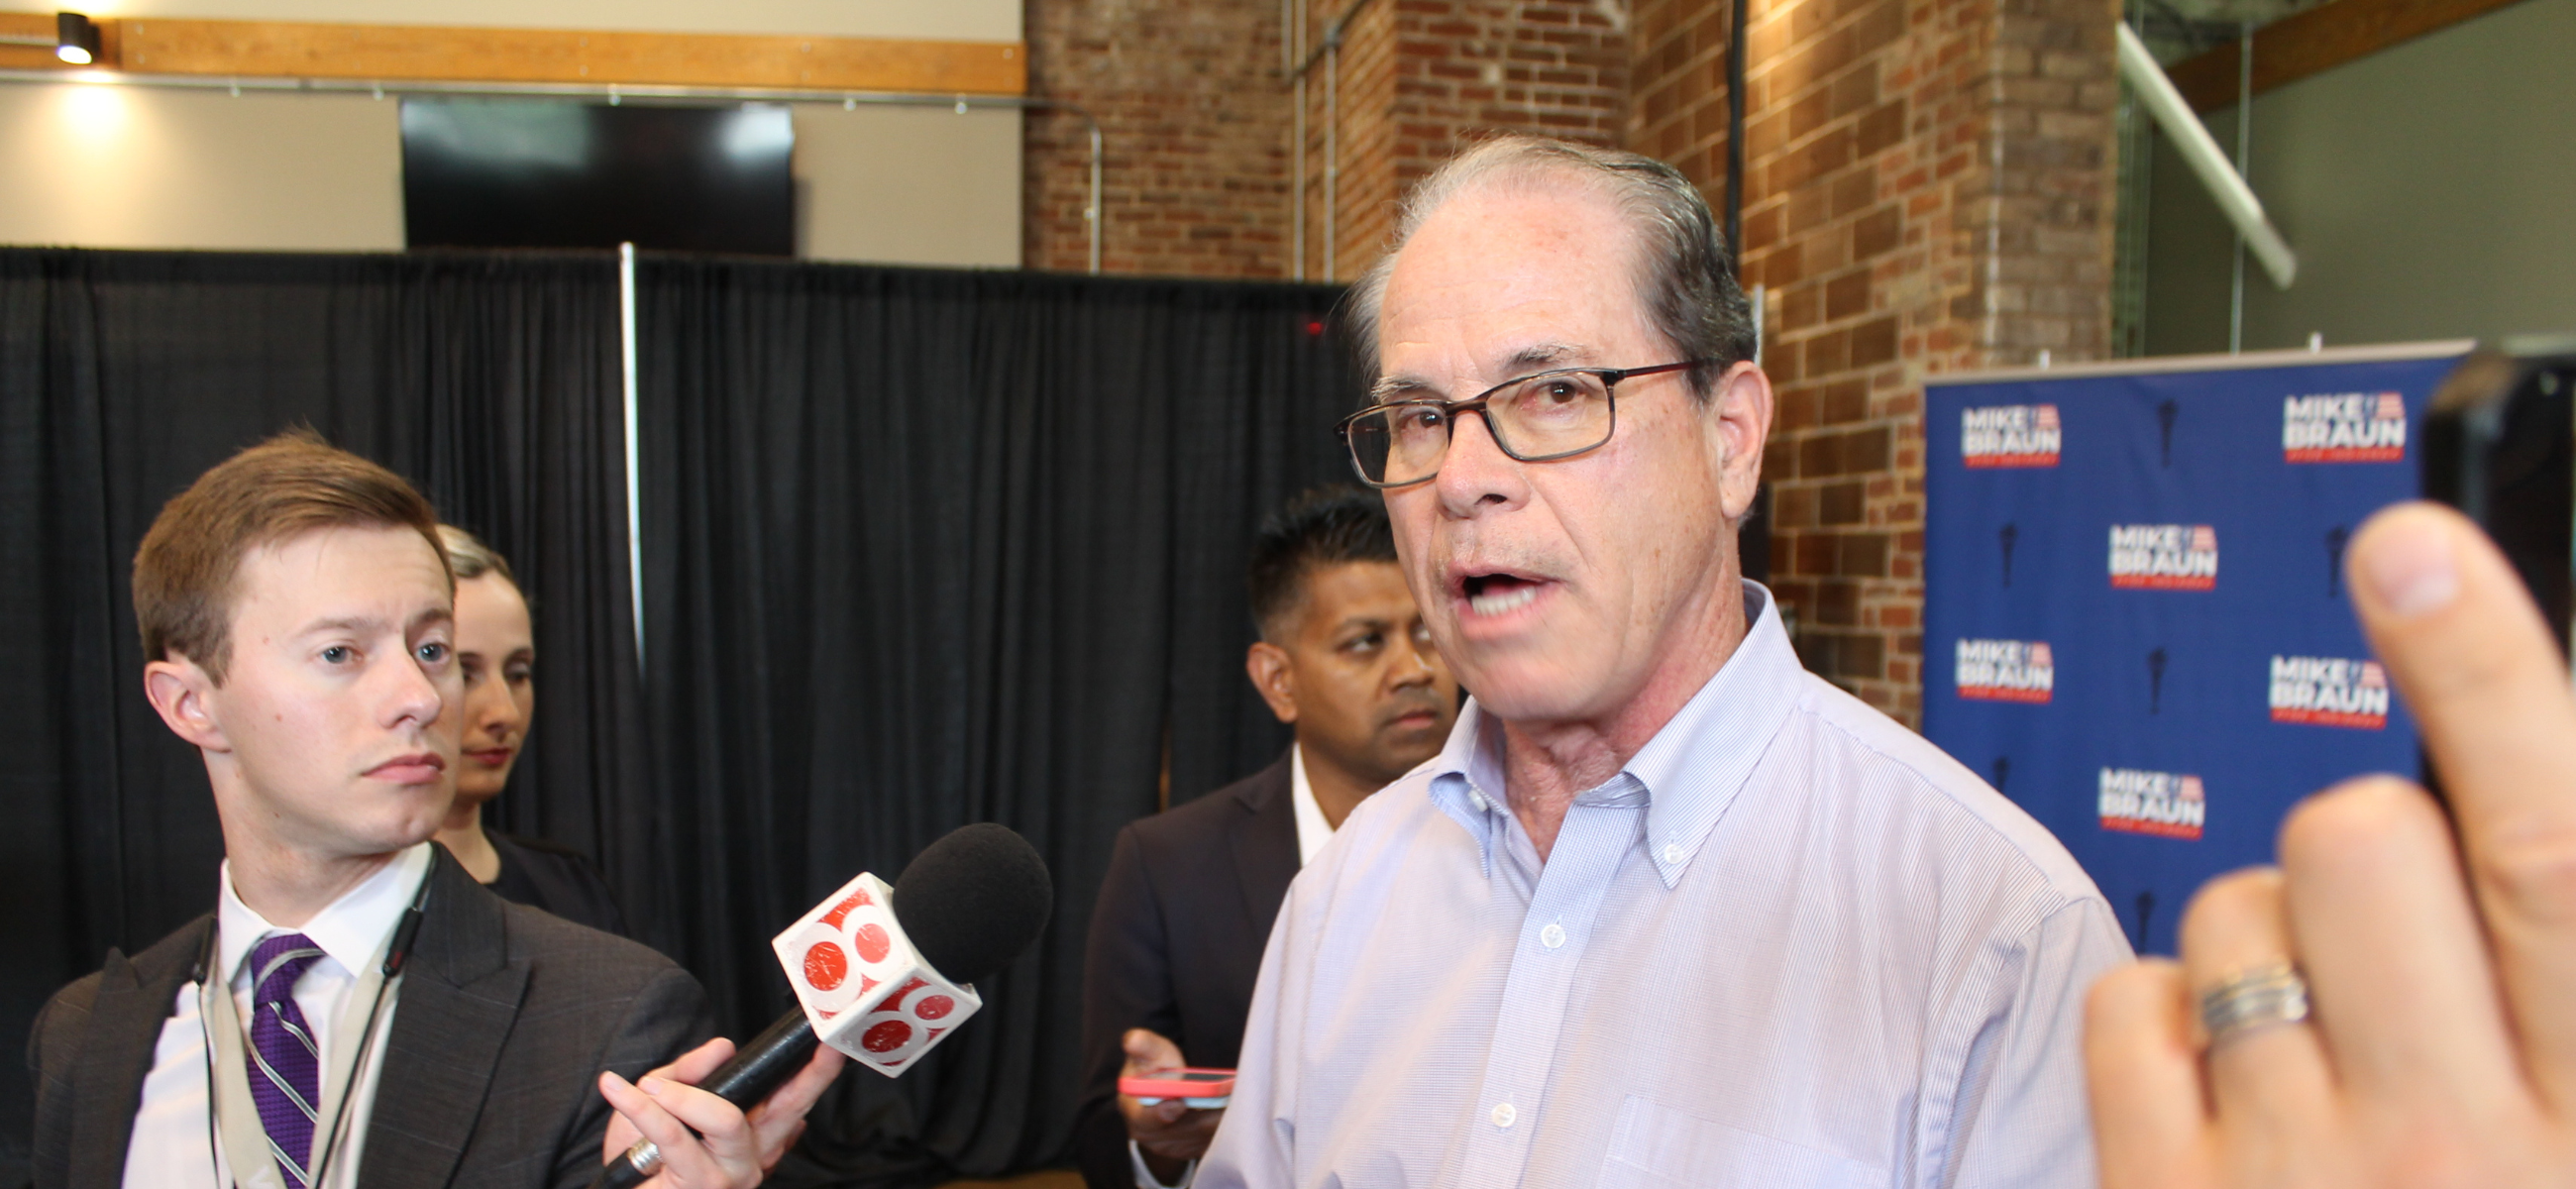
x=1690 y=771
x=350 y=932
x=1312 y=830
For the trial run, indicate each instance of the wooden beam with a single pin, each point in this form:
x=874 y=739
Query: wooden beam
x=422 y=53
x=2317 y=40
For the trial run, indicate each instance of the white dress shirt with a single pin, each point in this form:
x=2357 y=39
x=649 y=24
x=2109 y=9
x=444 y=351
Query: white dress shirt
x=1312 y=830
x=1790 y=944
x=172 y=1146
x=1312 y=833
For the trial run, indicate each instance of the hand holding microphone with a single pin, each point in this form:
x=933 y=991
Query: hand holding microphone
x=701 y=1140
x=883 y=973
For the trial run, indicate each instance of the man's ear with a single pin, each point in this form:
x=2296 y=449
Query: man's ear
x=183 y=693
x=1274 y=674
x=1739 y=414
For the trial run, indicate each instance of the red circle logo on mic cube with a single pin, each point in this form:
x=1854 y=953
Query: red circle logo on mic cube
x=864 y=987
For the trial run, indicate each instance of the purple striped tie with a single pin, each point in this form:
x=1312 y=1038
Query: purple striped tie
x=287 y=1081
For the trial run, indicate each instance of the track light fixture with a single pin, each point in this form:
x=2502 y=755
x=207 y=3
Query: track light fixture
x=75 y=38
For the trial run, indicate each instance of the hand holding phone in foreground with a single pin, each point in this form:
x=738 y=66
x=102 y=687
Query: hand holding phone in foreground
x=2395 y=1004
x=1169 y=1133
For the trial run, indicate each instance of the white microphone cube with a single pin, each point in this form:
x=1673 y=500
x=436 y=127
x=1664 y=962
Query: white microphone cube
x=864 y=988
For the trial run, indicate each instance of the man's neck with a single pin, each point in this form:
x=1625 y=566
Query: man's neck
x=1337 y=789
x=1547 y=763
x=463 y=836
x=289 y=888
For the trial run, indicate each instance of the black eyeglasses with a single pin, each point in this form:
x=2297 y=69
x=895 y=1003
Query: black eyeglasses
x=1538 y=418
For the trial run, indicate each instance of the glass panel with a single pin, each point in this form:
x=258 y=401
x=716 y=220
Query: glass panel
x=1368 y=438
x=1420 y=438
x=1554 y=413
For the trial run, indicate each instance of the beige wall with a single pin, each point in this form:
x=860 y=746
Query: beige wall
x=2430 y=192
x=936 y=20
x=125 y=167
x=908 y=185
x=132 y=167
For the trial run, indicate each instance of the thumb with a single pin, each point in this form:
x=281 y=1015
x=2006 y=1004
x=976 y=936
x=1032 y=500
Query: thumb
x=1149 y=1049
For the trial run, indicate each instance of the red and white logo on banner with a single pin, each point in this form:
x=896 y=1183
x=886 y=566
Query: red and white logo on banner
x=2166 y=805
x=2005 y=670
x=2009 y=436
x=2344 y=427
x=2164 y=557
x=863 y=986
x=2330 y=691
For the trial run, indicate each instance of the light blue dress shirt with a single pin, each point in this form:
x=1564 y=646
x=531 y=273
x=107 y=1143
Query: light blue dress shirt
x=1790 y=944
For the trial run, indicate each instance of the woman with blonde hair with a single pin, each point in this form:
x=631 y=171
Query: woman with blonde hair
x=497 y=653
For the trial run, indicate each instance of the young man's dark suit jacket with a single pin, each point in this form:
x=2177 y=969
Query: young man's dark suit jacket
x=505 y=1017
x=1176 y=943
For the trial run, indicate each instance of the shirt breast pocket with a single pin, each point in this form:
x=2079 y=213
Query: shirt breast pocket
x=1656 y=1147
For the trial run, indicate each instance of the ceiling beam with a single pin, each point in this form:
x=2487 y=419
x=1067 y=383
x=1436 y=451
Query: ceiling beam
x=425 y=53
x=2316 y=40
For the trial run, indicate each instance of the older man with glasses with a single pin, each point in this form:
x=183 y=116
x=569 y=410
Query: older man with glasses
x=1667 y=910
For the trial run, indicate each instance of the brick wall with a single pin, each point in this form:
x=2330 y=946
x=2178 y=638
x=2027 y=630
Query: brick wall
x=1420 y=78
x=1928 y=189
x=1196 y=121
x=1199 y=119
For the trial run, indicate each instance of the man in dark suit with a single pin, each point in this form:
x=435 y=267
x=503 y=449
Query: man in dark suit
x=1185 y=910
x=356 y=1009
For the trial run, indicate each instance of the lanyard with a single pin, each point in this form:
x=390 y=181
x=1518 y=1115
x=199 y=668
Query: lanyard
x=228 y=1101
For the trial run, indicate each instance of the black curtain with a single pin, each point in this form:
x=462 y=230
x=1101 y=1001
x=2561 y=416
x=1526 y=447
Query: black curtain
x=924 y=549
x=921 y=549
x=490 y=381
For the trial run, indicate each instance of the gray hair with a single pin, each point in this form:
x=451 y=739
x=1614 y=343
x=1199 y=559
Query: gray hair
x=471 y=558
x=1687 y=277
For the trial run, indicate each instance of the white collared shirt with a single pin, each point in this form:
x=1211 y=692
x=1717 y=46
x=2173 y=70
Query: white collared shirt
x=1789 y=943
x=1312 y=830
x=1312 y=833
x=172 y=1145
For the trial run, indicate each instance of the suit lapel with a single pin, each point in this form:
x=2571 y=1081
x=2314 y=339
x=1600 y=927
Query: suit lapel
x=134 y=999
x=459 y=998
x=1264 y=840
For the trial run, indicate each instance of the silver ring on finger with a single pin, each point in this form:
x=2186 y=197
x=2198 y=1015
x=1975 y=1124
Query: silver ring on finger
x=2254 y=999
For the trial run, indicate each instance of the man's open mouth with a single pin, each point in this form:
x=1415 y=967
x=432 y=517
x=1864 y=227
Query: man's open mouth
x=1497 y=594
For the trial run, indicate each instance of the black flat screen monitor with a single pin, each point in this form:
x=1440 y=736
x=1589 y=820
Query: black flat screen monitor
x=536 y=174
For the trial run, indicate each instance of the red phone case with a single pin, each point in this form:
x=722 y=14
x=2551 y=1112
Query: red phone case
x=1173 y=1083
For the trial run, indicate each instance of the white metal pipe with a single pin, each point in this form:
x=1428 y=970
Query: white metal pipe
x=1761 y=297
x=634 y=481
x=1297 y=137
x=2206 y=159
x=1297 y=189
x=1332 y=147
x=1296 y=141
x=1092 y=213
x=2244 y=168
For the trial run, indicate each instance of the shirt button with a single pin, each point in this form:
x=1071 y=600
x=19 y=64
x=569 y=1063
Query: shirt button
x=1552 y=936
x=1672 y=852
x=1503 y=1115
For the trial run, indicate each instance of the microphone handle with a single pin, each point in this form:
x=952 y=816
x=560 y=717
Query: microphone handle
x=756 y=1069
x=766 y=1063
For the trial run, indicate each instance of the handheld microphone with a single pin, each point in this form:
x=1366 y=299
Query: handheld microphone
x=884 y=973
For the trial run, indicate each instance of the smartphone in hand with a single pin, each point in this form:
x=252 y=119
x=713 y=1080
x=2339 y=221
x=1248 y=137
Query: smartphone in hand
x=1198 y=1089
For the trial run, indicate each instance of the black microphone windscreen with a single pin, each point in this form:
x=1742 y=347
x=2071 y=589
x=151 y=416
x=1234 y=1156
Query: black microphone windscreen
x=973 y=900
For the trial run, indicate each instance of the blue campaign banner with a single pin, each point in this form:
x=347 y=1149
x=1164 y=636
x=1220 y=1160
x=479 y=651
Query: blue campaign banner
x=2134 y=616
